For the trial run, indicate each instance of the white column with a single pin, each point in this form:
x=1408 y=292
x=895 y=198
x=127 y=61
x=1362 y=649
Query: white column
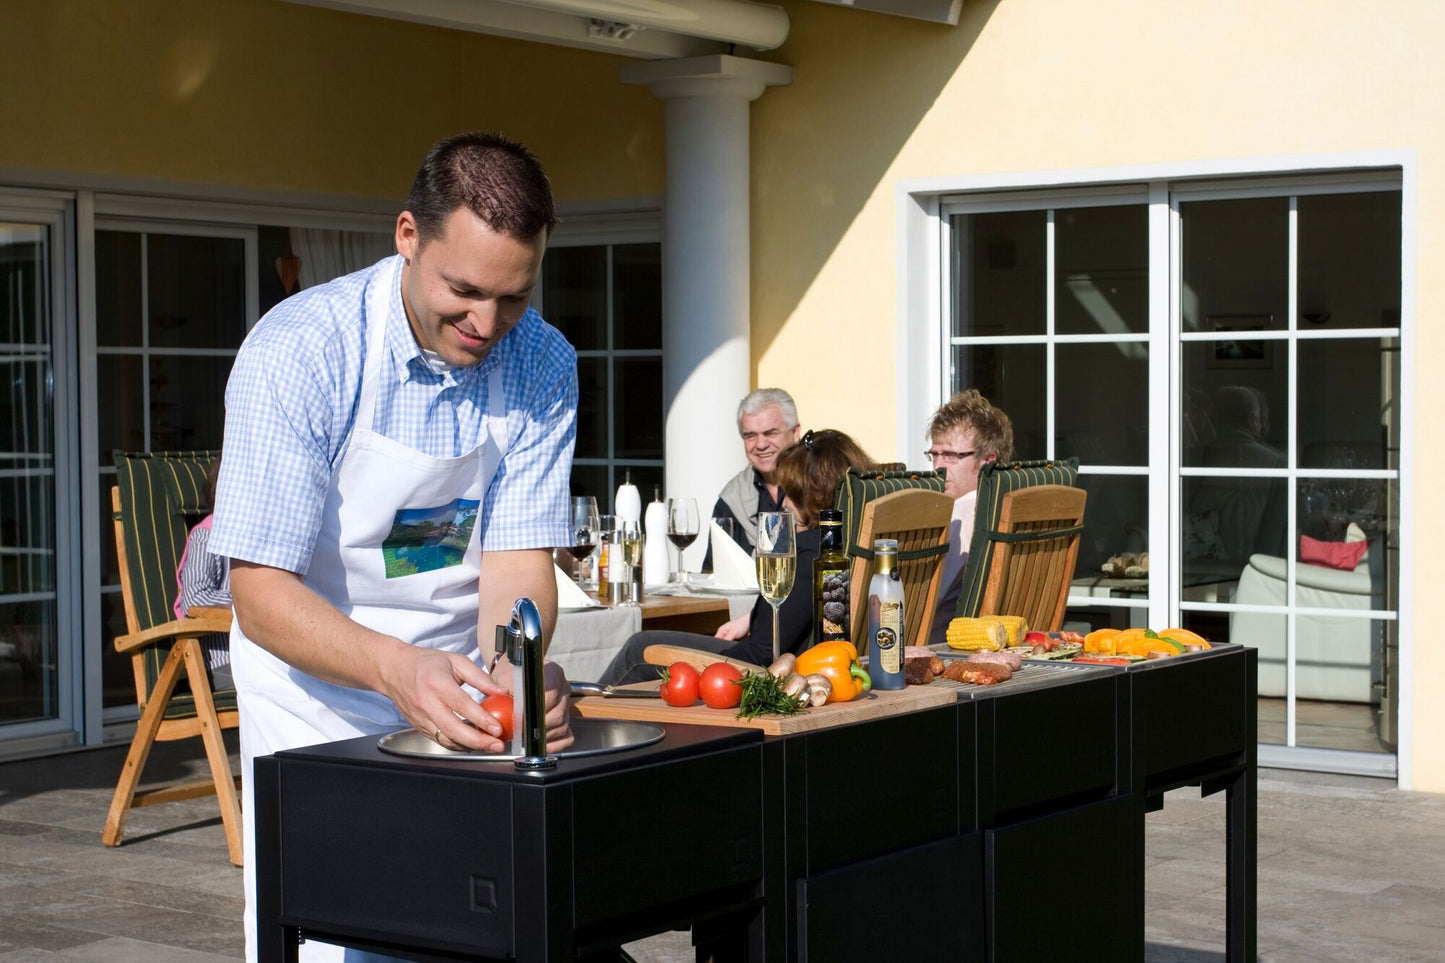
x=705 y=262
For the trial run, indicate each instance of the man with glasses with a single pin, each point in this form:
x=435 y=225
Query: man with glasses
x=768 y=423
x=965 y=432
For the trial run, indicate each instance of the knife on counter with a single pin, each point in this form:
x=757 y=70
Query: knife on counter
x=613 y=692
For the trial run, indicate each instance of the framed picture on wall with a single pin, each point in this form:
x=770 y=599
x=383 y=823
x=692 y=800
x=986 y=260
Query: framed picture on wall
x=1240 y=352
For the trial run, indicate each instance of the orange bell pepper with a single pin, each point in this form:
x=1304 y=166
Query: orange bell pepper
x=838 y=662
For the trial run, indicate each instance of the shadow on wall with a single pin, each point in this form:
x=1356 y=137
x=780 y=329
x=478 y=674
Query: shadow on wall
x=874 y=84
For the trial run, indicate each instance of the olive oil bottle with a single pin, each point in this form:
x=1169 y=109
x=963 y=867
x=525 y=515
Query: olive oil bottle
x=885 y=617
x=831 y=573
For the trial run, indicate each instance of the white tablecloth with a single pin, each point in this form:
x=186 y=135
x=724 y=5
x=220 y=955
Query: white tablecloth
x=584 y=642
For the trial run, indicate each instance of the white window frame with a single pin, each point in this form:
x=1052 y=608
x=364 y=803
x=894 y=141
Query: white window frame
x=609 y=230
x=55 y=211
x=922 y=316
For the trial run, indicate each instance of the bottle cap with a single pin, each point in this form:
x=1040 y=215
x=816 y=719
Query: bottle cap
x=885 y=545
x=833 y=516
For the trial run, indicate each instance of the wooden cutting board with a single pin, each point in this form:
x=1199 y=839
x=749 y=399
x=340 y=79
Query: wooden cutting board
x=873 y=705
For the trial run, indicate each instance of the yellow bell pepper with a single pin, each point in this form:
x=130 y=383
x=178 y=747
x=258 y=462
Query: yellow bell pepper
x=838 y=662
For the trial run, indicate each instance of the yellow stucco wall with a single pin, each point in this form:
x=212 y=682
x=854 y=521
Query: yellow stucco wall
x=1028 y=85
x=277 y=96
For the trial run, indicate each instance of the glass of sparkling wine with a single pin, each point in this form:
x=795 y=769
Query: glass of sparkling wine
x=776 y=555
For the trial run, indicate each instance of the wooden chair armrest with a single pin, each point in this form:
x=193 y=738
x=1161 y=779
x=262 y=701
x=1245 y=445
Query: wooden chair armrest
x=209 y=612
x=174 y=629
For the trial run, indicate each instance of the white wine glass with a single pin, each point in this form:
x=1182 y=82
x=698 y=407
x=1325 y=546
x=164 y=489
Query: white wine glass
x=682 y=530
x=586 y=530
x=776 y=555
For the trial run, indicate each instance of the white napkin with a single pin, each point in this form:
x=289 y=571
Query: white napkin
x=732 y=568
x=569 y=596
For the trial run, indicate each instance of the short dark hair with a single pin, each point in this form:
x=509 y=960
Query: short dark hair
x=808 y=470
x=496 y=179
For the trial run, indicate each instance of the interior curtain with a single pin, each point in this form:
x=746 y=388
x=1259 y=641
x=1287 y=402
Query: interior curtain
x=326 y=254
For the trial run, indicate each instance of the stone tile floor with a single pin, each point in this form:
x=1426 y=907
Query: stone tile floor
x=1350 y=869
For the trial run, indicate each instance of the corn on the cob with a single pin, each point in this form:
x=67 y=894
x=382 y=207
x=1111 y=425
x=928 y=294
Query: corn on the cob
x=976 y=634
x=1015 y=625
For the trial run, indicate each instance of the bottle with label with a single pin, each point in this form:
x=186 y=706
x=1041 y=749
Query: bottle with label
x=885 y=617
x=832 y=571
x=605 y=533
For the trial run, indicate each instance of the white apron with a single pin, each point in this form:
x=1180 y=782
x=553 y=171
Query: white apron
x=381 y=492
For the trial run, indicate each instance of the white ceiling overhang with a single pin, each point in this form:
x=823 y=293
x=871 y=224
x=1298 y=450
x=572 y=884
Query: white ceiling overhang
x=646 y=29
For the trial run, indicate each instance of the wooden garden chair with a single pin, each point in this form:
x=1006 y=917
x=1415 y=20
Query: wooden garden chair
x=918 y=519
x=156 y=495
x=1027 y=528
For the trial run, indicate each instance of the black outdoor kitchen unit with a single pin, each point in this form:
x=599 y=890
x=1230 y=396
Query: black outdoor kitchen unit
x=961 y=821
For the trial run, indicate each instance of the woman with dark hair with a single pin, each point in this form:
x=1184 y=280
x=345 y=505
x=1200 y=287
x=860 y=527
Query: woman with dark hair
x=807 y=473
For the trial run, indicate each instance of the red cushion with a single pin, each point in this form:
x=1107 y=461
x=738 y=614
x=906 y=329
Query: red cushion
x=1341 y=555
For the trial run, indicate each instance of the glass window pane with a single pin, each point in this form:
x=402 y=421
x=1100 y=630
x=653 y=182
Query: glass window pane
x=594 y=480
x=109 y=564
x=188 y=402
x=1349 y=260
x=647 y=478
x=26 y=431
x=637 y=296
x=1101 y=256
x=27 y=534
x=592 y=425
x=117 y=289
x=1348 y=403
x=1010 y=376
x=1234 y=417
x=29 y=669
x=1332 y=511
x=197 y=291
x=120 y=421
x=117 y=680
x=1224 y=521
x=637 y=398
x=1116 y=523
x=1101 y=399
x=1236 y=264
x=1000 y=270
x=574 y=294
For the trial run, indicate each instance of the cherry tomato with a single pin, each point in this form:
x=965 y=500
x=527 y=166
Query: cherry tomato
x=500 y=706
x=720 y=685
x=679 y=685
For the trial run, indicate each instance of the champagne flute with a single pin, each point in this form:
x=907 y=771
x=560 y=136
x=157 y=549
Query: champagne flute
x=681 y=530
x=629 y=543
x=585 y=531
x=776 y=555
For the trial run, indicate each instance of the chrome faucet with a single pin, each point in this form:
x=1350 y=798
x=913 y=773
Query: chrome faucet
x=522 y=643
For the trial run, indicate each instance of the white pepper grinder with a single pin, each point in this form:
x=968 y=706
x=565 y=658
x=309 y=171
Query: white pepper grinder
x=628 y=503
x=655 y=562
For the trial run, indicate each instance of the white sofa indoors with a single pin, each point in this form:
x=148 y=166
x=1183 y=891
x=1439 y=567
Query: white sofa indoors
x=1334 y=656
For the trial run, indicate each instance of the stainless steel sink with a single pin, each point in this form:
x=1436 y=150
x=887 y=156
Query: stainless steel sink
x=593 y=737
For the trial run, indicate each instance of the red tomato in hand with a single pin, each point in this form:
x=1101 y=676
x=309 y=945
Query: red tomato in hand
x=500 y=706
x=679 y=685
x=721 y=685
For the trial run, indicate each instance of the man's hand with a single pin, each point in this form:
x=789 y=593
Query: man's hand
x=426 y=686
x=557 y=696
x=734 y=629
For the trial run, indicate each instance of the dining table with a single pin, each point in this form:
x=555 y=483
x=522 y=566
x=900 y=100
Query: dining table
x=586 y=639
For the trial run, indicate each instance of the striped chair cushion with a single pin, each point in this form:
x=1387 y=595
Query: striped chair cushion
x=160 y=493
x=995 y=480
x=857 y=488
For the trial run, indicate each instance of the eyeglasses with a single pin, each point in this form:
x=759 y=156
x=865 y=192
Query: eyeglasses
x=947 y=456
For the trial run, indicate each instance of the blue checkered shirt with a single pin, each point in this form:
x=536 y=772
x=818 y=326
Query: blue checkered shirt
x=291 y=402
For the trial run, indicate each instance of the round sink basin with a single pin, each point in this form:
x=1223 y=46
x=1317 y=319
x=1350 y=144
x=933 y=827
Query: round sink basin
x=594 y=737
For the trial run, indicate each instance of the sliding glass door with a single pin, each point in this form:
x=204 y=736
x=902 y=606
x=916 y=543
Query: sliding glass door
x=38 y=682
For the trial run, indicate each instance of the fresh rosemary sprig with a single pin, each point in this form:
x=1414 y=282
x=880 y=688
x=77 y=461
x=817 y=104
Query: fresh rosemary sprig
x=763 y=695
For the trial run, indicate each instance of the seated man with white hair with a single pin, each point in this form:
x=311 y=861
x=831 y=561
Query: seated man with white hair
x=768 y=423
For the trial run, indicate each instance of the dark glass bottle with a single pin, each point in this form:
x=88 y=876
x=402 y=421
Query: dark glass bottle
x=831 y=572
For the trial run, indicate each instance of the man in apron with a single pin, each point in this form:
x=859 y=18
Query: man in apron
x=397 y=456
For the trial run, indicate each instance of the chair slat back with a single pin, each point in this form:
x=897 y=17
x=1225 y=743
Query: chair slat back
x=156 y=495
x=918 y=518
x=1036 y=547
x=857 y=488
x=996 y=480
